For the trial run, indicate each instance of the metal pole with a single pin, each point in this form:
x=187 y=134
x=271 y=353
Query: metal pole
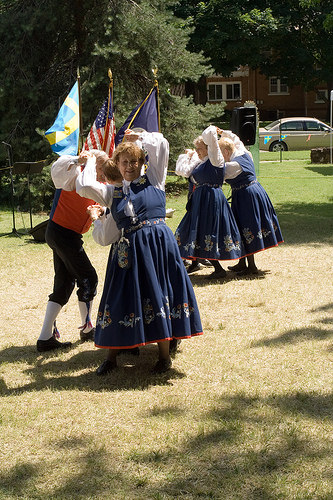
x=10 y=161
x=280 y=143
x=80 y=112
x=331 y=99
x=29 y=199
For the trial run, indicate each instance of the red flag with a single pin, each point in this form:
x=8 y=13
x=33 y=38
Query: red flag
x=102 y=133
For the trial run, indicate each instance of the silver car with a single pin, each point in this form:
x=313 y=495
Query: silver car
x=295 y=134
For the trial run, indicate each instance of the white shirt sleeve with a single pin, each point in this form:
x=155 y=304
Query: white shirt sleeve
x=64 y=172
x=186 y=163
x=215 y=155
x=232 y=170
x=240 y=149
x=157 y=148
x=105 y=230
x=88 y=187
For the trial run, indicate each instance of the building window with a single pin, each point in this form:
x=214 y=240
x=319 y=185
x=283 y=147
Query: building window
x=233 y=91
x=321 y=96
x=224 y=91
x=215 y=92
x=278 y=85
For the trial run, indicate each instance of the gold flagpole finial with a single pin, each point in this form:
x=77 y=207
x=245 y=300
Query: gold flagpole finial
x=155 y=70
x=110 y=74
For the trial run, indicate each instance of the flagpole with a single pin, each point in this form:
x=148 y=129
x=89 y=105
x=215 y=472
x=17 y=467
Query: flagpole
x=80 y=111
x=110 y=101
x=143 y=103
x=158 y=97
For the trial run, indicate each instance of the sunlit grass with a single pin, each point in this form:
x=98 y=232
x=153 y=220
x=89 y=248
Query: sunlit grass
x=246 y=411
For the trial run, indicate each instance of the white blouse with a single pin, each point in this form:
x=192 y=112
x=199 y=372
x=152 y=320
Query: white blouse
x=157 y=148
x=64 y=172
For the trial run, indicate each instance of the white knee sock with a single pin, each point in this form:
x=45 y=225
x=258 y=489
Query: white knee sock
x=85 y=311
x=52 y=311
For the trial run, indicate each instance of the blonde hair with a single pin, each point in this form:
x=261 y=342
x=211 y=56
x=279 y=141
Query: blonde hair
x=131 y=149
x=100 y=155
x=198 y=141
x=111 y=171
x=226 y=143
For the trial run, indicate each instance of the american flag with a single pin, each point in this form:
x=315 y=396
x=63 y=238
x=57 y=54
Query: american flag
x=102 y=133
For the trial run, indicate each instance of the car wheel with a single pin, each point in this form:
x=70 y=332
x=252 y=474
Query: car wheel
x=278 y=146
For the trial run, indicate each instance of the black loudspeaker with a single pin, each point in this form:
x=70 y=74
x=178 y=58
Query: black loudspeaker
x=244 y=124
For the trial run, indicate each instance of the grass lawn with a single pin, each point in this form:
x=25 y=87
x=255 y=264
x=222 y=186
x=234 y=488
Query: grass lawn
x=246 y=411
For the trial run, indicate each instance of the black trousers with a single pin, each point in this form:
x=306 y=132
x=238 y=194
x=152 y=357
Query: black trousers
x=71 y=265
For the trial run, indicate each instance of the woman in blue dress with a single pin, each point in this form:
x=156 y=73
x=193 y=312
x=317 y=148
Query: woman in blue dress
x=253 y=210
x=147 y=296
x=208 y=230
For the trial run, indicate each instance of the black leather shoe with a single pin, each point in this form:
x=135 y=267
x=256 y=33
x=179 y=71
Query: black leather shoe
x=106 y=367
x=238 y=268
x=248 y=271
x=194 y=267
x=174 y=343
x=221 y=273
x=51 y=344
x=162 y=365
x=84 y=336
x=205 y=262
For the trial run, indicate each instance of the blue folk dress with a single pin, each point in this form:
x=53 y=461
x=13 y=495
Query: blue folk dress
x=253 y=210
x=208 y=230
x=147 y=296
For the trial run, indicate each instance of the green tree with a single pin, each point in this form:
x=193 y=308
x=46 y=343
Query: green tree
x=291 y=38
x=46 y=41
x=43 y=42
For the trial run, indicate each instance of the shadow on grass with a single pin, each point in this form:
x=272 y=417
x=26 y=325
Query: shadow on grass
x=294 y=336
x=94 y=470
x=243 y=450
x=51 y=371
x=324 y=170
x=326 y=307
x=224 y=462
x=202 y=280
x=14 y=234
x=306 y=222
x=301 y=334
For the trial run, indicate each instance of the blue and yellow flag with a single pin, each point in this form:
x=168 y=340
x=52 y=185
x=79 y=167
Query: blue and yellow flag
x=63 y=136
x=145 y=116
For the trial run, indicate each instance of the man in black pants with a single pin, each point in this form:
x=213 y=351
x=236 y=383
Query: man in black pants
x=68 y=221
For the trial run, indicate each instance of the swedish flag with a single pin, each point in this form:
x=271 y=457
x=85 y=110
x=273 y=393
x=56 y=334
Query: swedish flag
x=63 y=136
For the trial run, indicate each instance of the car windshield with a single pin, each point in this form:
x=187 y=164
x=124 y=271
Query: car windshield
x=271 y=125
x=324 y=127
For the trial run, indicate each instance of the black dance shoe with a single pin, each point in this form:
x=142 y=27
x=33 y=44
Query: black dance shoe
x=195 y=266
x=248 y=271
x=174 y=343
x=162 y=366
x=51 y=344
x=205 y=262
x=106 y=367
x=221 y=273
x=238 y=268
x=84 y=336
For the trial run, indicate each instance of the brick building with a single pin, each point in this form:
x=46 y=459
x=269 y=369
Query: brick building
x=274 y=98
